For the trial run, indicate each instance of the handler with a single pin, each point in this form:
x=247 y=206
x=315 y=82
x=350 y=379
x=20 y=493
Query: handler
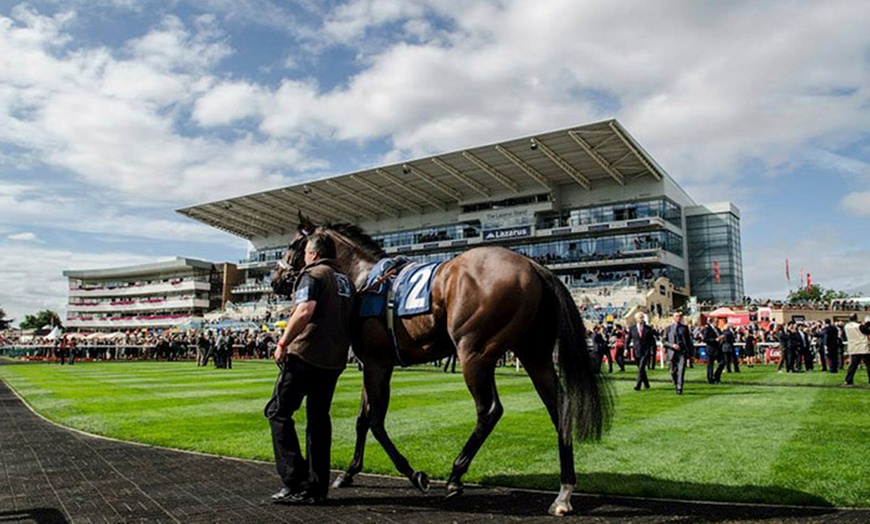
x=311 y=353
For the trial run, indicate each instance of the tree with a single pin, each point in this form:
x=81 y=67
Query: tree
x=815 y=293
x=4 y=322
x=43 y=318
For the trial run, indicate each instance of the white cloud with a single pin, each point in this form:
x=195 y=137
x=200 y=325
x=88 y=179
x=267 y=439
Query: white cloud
x=31 y=277
x=158 y=121
x=857 y=204
x=834 y=262
x=227 y=103
x=25 y=237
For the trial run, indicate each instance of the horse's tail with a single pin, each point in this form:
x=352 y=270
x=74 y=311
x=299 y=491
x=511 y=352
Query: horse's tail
x=588 y=400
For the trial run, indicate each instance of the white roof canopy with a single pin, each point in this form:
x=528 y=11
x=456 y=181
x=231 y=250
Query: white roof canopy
x=583 y=155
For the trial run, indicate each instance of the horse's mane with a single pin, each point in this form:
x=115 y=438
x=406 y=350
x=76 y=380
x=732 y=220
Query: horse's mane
x=355 y=233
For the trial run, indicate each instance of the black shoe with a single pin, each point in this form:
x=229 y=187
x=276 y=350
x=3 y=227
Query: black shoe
x=646 y=386
x=679 y=392
x=637 y=388
x=306 y=499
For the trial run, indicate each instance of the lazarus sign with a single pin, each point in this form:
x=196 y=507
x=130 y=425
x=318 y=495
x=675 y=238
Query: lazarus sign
x=506 y=233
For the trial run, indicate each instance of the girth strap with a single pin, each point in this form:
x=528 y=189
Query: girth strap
x=391 y=315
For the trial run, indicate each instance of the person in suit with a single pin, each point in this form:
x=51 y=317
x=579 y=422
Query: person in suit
x=783 y=337
x=642 y=340
x=729 y=352
x=831 y=343
x=805 y=353
x=602 y=348
x=794 y=347
x=678 y=342
x=713 y=340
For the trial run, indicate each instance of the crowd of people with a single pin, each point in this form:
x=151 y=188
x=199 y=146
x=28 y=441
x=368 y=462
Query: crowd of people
x=216 y=345
x=795 y=347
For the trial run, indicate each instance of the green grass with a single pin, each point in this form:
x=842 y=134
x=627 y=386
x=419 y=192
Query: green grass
x=801 y=442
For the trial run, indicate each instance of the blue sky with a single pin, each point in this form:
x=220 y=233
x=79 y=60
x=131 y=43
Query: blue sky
x=114 y=113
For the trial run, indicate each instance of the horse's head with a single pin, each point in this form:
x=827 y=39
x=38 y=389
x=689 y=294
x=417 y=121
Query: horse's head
x=293 y=261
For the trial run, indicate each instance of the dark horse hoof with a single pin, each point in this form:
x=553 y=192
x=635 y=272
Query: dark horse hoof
x=421 y=481
x=343 y=481
x=453 y=489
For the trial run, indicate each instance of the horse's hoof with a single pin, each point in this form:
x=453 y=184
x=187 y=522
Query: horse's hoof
x=454 y=489
x=560 y=509
x=343 y=481
x=421 y=481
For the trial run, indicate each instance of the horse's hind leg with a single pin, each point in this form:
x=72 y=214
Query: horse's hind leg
x=377 y=385
x=362 y=429
x=543 y=375
x=480 y=379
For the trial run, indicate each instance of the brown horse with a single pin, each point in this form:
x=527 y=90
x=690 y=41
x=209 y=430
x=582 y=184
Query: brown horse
x=486 y=301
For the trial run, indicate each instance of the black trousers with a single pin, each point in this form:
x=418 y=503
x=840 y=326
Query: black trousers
x=620 y=359
x=717 y=360
x=677 y=367
x=787 y=359
x=855 y=362
x=605 y=352
x=296 y=381
x=731 y=359
x=823 y=358
x=833 y=360
x=642 y=363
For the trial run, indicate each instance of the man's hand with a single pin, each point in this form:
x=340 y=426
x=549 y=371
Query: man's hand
x=280 y=352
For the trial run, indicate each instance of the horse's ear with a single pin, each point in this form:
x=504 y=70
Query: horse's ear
x=305 y=223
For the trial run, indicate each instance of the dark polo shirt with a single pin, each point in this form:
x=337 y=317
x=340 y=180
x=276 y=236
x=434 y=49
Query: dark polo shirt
x=325 y=340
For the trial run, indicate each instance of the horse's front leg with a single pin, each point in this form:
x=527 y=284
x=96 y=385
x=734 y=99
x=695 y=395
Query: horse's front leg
x=362 y=430
x=376 y=381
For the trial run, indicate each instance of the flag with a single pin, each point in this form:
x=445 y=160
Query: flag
x=802 y=277
x=716 y=271
x=809 y=281
x=787 y=276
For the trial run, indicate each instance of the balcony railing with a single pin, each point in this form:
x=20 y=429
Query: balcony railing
x=142 y=289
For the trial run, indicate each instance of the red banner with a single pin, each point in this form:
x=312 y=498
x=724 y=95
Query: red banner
x=716 y=270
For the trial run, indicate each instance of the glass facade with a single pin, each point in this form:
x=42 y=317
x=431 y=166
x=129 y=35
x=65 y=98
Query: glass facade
x=660 y=207
x=714 y=247
x=571 y=249
x=267 y=254
x=616 y=248
x=429 y=234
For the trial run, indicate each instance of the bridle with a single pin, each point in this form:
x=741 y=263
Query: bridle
x=295 y=252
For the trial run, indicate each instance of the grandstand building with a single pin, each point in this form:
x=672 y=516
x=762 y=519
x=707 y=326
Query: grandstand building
x=589 y=202
x=153 y=296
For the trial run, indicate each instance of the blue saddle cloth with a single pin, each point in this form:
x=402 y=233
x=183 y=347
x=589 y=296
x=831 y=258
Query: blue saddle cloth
x=412 y=288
